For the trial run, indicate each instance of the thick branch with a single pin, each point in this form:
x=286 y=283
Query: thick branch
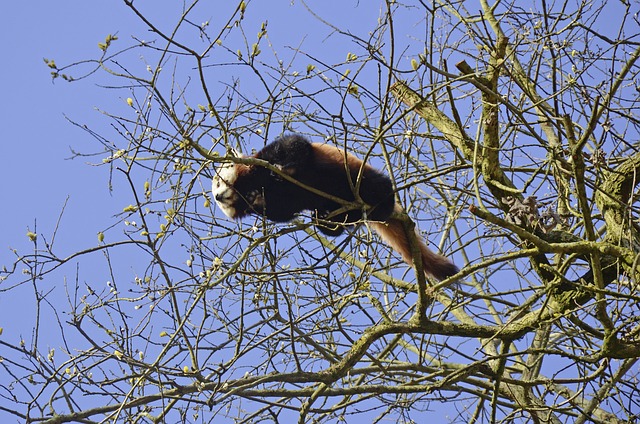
x=614 y=199
x=497 y=181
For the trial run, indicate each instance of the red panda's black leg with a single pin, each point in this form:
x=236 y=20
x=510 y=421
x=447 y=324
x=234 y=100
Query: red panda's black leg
x=330 y=226
x=330 y=229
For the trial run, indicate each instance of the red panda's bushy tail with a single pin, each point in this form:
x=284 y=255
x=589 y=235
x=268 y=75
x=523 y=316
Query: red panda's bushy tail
x=435 y=265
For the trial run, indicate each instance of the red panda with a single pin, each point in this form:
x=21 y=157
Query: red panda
x=241 y=190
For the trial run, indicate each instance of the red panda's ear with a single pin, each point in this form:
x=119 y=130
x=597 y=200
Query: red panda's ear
x=234 y=153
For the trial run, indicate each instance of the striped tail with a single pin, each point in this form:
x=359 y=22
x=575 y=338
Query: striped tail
x=435 y=265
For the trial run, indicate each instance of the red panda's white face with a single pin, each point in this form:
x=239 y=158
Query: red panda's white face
x=222 y=188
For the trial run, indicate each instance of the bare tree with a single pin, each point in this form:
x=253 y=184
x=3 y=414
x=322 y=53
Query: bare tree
x=511 y=135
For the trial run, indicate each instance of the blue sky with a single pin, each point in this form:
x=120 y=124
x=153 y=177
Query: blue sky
x=36 y=175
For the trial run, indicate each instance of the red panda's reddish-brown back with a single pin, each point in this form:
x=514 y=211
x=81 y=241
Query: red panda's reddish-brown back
x=375 y=188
